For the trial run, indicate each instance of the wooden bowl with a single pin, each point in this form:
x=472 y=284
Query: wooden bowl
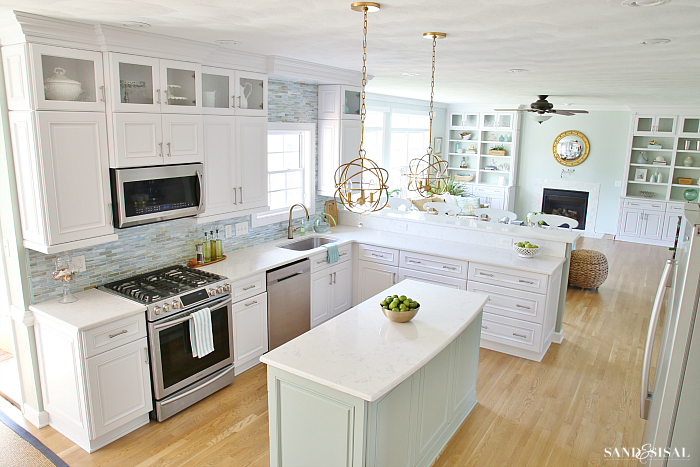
x=400 y=316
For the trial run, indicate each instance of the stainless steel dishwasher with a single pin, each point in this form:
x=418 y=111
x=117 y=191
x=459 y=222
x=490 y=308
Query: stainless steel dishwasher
x=288 y=302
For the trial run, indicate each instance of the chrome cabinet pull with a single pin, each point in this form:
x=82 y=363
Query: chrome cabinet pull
x=343 y=254
x=335 y=277
x=519 y=335
x=157 y=96
x=109 y=213
x=112 y=336
x=321 y=261
x=484 y=274
x=233 y=102
x=450 y=268
x=249 y=287
x=394 y=280
x=377 y=256
x=525 y=282
x=412 y=261
x=161 y=148
x=235 y=198
x=484 y=327
x=251 y=303
x=241 y=188
x=145 y=351
x=169 y=155
x=102 y=88
x=522 y=306
x=239 y=102
x=330 y=279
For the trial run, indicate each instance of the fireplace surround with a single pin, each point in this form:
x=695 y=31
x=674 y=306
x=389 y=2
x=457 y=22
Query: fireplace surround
x=567 y=203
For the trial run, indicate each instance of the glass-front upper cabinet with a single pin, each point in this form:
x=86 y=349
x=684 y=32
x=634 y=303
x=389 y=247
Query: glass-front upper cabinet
x=655 y=125
x=180 y=87
x=135 y=82
x=351 y=102
x=250 y=90
x=218 y=96
x=689 y=126
x=67 y=79
x=464 y=120
x=497 y=120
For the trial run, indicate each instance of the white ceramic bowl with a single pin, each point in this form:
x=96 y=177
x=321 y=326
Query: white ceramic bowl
x=400 y=316
x=526 y=252
x=467 y=136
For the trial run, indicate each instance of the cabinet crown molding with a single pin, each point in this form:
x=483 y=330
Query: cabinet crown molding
x=17 y=27
x=308 y=71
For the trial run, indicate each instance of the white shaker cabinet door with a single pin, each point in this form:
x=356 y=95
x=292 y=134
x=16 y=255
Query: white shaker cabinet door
x=321 y=292
x=375 y=278
x=631 y=222
x=328 y=155
x=652 y=225
x=342 y=288
x=182 y=138
x=350 y=136
x=138 y=140
x=251 y=153
x=119 y=386
x=76 y=174
x=250 y=329
x=220 y=167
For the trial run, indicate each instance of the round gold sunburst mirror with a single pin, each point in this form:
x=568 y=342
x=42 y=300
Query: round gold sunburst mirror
x=571 y=148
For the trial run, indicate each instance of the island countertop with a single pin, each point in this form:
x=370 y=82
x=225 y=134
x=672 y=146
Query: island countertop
x=362 y=353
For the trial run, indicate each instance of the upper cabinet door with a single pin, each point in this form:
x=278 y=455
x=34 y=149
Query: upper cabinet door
x=182 y=139
x=181 y=87
x=250 y=90
x=220 y=178
x=689 y=126
x=138 y=140
x=135 y=83
x=467 y=121
x=498 y=120
x=218 y=96
x=659 y=125
x=67 y=79
x=73 y=147
x=351 y=102
x=328 y=101
x=251 y=151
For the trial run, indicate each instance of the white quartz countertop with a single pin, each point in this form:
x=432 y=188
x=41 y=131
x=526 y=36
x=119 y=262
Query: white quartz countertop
x=362 y=353
x=248 y=261
x=93 y=308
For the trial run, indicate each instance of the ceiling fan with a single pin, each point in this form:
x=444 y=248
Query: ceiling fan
x=543 y=110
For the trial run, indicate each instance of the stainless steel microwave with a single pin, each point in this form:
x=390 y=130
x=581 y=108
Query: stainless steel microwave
x=144 y=195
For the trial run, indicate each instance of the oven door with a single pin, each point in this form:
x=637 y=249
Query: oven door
x=172 y=365
x=144 y=195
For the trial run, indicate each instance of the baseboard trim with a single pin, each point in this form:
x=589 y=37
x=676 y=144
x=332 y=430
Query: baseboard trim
x=558 y=337
x=36 y=418
x=20 y=315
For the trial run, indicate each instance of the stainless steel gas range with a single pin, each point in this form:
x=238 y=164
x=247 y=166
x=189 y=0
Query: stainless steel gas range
x=171 y=295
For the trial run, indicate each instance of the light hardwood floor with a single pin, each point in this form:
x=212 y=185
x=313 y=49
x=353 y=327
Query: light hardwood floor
x=563 y=411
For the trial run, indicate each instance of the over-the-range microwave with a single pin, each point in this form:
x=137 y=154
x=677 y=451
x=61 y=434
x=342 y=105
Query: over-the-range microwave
x=143 y=195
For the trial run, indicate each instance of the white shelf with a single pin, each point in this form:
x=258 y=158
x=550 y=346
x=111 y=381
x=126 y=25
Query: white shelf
x=678 y=185
x=652 y=149
x=647 y=183
x=492 y=155
x=651 y=165
x=461 y=168
x=689 y=150
x=682 y=167
x=495 y=171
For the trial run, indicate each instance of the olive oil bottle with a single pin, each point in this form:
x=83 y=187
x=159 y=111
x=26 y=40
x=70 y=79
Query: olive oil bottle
x=206 y=249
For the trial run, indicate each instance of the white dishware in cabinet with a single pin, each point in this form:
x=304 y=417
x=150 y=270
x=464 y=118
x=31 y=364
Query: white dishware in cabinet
x=135 y=83
x=143 y=139
x=249 y=331
x=180 y=87
x=66 y=79
x=230 y=92
x=331 y=292
x=62 y=172
x=250 y=90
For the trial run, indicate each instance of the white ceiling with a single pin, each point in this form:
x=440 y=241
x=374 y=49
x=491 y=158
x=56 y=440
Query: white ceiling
x=580 y=52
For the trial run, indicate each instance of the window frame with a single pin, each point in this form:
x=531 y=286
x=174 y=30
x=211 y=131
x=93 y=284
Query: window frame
x=308 y=154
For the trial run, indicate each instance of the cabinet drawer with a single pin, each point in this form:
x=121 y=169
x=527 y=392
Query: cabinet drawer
x=649 y=205
x=112 y=335
x=522 y=280
x=512 y=332
x=485 y=191
x=511 y=303
x=378 y=254
x=433 y=264
x=318 y=261
x=674 y=207
x=244 y=288
x=437 y=279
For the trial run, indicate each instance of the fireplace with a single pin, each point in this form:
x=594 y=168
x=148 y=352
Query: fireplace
x=568 y=203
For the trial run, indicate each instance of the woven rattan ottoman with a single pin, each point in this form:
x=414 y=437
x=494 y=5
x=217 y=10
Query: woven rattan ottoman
x=588 y=269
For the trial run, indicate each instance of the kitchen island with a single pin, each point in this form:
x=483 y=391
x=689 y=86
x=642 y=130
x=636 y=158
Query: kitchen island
x=360 y=390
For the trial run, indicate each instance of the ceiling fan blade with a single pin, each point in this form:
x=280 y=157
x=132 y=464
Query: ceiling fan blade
x=577 y=111
x=564 y=113
x=513 y=110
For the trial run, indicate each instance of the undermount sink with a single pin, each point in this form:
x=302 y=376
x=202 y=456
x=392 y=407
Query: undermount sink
x=308 y=243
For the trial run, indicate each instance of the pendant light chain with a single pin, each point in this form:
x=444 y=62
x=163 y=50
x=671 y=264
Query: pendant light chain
x=432 y=96
x=363 y=109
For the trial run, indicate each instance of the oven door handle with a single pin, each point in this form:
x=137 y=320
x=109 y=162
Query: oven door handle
x=185 y=394
x=168 y=324
x=201 y=190
x=172 y=323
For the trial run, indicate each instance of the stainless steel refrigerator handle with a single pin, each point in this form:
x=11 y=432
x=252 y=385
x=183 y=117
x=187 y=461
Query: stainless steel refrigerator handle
x=185 y=394
x=645 y=395
x=201 y=189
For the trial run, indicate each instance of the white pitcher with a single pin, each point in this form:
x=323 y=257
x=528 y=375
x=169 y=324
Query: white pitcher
x=246 y=91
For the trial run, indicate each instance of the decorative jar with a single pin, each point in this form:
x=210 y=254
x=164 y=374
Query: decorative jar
x=688 y=161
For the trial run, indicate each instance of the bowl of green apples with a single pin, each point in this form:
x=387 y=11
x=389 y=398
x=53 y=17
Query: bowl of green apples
x=399 y=308
x=526 y=249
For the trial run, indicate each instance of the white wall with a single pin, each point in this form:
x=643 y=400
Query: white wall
x=607 y=132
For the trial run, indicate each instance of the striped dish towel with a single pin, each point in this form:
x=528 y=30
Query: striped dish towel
x=333 y=255
x=201 y=335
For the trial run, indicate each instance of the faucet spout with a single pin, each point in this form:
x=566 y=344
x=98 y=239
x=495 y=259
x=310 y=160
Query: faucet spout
x=290 y=230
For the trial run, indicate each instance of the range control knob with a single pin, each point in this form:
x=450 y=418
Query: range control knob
x=219 y=289
x=156 y=310
x=212 y=292
x=166 y=308
x=176 y=304
x=227 y=287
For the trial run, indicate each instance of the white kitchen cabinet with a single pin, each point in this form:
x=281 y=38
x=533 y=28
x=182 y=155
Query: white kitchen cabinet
x=96 y=399
x=135 y=83
x=230 y=92
x=631 y=222
x=331 y=292
x=652 y=223
x=62 y=172
x=689 y=126
x=249 y=331
x=145 y=139
x=375 y=278
x=328 y=155
x=118 y=386
x=495 y=197
x=437 y=279
x=464 y=121
x=251 y=154
x=180 y=87
x=497 y=120
x=646 y=221
x=336 y=101
x=670 y=226
x=655 y=125
x=221 y=168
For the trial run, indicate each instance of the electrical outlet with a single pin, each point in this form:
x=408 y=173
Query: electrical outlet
x=506 y=241
x=402 y=226
x=241 y=229
x=618 y=182
x=227 y=229
x=78 y=263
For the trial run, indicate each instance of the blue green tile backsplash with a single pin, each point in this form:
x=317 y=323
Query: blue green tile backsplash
x=145 y=248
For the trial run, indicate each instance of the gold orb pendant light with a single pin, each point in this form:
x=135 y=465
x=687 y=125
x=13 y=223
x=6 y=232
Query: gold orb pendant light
x=428 y=174
x=361 y=185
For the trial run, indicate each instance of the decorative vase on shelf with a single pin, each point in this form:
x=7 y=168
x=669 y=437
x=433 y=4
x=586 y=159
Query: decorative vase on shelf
x=691 y=194
x=501 y=138
x=642 y=159
x=688 y=161
x=463 y=164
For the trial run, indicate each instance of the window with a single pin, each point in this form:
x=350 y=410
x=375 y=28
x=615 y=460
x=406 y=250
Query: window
x=290 y=171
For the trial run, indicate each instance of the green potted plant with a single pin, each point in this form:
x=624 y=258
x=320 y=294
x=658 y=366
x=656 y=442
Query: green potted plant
x=454 y=188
